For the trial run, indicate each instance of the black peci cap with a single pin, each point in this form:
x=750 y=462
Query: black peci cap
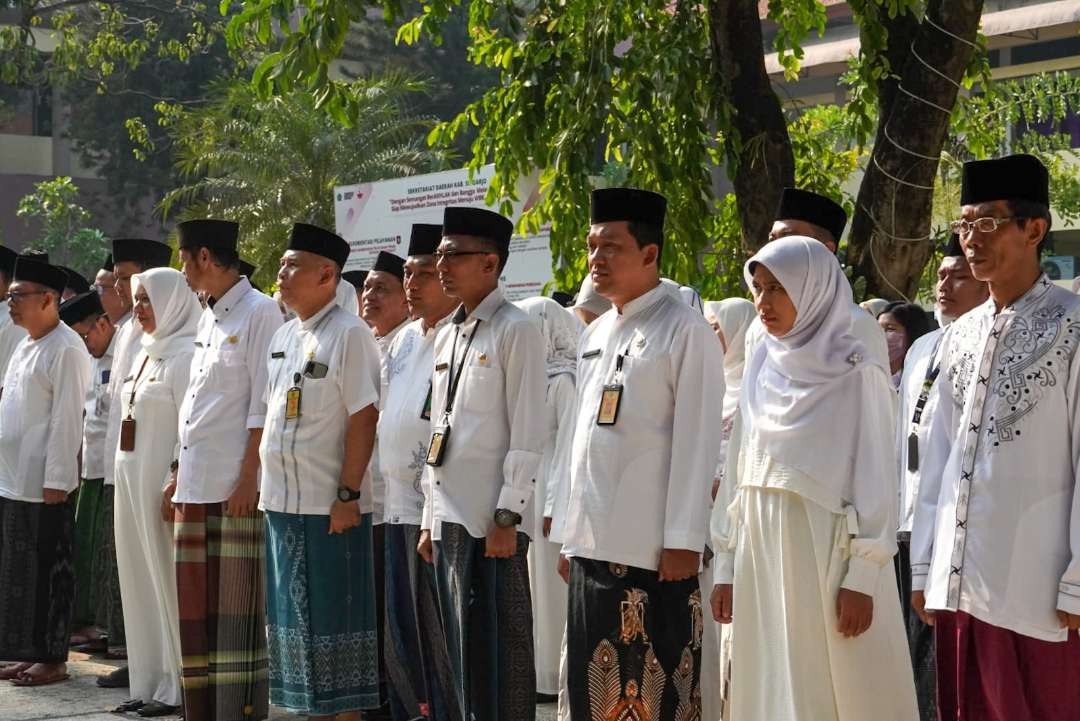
x=630 y=204
x=355 y=278
x=390 y=263
x=812 y=208
x=148 y=253
x=81 y=307
x=424 y=238
x=1014 y=177
x=480 y=223
x=32 y=270
x=208 y=233
x=313 y=239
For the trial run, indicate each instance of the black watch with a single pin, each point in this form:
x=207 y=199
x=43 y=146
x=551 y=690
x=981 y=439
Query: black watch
x=346 y=494
x=506 y=519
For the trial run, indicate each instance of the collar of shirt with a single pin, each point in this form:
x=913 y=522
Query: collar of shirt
x=314 y=320
x=1030 y=297
x=644 y=301
x=386 y=339
x=485 y=311
x=221 y=306
x=426 y=333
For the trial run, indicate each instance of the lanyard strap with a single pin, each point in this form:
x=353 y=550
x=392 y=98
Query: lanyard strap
x=932 y=371
x=455 y=378
x=135 y=386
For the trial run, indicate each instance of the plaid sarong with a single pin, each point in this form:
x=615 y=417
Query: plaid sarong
x=219 y=583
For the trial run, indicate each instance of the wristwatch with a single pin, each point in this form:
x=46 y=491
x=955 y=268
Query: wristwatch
x=506 y=519
x=346 y=494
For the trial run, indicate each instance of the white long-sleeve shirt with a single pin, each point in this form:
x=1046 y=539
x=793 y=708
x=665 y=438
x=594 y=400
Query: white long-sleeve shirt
x=642 y=485
x=997 y=521
x=404 y=432
x=917 y=362
x=41 y=415
x=225 y=399
x=301 y=458
x=497 y=427
x=10 y=335
x=562 y=402
x=126 y=345
x=96 y=418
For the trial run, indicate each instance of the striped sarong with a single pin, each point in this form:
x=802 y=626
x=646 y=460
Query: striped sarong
x=321 y=613
x=219 y=584
x=37 y=580
x=89 y=526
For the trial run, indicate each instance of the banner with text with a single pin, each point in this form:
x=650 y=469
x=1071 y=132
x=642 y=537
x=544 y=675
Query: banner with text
x=378 y=216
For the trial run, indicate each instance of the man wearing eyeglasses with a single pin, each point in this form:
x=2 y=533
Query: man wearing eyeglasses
x=40 y=433
x=115 y=305
x=487 y=434
x=10 y=334
x=995 y=546
x=86 y=316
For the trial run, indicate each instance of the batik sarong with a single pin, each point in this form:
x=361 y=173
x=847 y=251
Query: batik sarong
x=89 y=532
x=987 y=673
x=421 y=683
x=920 y=637
x=321 y=615
x=634 y=644
x=220 y=592
x=37 y=580
x=486 y=610
x=109 y=611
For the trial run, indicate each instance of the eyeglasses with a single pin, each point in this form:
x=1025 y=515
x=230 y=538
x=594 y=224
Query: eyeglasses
x=441 y=255
x=986 y=224
x=16 y=296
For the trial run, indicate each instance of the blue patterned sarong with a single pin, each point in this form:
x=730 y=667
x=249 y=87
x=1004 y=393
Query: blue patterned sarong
x=320 y=613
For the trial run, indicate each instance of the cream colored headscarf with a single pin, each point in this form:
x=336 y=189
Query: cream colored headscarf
x=734 y=316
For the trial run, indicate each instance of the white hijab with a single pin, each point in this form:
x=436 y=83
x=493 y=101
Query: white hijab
x=798 y=398
x=346 y=297
x=176 y=311
x=734 y=316
x=561 y=329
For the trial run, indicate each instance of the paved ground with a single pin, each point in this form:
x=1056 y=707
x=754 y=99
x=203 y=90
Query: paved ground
x=80 y=699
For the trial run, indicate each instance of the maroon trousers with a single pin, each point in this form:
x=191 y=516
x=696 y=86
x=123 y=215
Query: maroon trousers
x=987 y=673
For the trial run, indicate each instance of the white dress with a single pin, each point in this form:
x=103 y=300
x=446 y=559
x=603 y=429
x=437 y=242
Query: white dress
x=549 y=591
x=144 y=542
x=791 y=557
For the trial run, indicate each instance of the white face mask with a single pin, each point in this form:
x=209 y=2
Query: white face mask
x=897 y=347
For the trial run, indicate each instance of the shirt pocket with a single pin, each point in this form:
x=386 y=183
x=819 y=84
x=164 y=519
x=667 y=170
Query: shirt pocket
x=647 y=395
x=228 y=371
x=481 y=388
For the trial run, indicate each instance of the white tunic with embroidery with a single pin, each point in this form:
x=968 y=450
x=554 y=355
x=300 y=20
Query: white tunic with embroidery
x=997 y=524
x=917 y=366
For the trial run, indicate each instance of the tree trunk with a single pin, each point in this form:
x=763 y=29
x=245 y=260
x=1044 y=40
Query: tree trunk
x=765 y=160
x=889 y=242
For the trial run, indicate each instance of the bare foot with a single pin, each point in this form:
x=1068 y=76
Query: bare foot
x=12 y=670
x=42 y=674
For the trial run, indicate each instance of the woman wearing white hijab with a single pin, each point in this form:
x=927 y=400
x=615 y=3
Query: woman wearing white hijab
x=730 y=318
x=561 y=330
x=813 y=604
x=153 y=389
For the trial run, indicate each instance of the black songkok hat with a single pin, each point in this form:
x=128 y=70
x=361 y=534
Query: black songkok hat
x=313 y=239
x=630 y=204
x=1014 y=177
x=108 y=264
x=81 y=307
x=32 y=270
x=563 y=298
x=148 y=253
x=208 y=233
x=481 y=223
x=390 y=263
x=355 y=278
x=7 y=260
x=424 y=239
x=954 y=249
x=810 y=207
x=75 y=280
x=246 y=269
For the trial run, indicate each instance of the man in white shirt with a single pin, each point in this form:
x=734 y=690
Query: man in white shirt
x=219 y=532
x=40 y=433
x=115 y=305
x=650 y=379
x=85 y=315
x=995 y=544
x=417 y=664
x=487 y=436
x=957 y=293
x=323 y=371
x=130 y=256
x=10 y=334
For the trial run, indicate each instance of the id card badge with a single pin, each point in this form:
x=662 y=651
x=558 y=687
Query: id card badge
x=440 y=437
x=610 y=400
x=913 y=452
x=292 y=400
x=127 y=434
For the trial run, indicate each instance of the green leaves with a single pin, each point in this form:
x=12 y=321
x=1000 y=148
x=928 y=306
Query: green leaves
x=65 y=233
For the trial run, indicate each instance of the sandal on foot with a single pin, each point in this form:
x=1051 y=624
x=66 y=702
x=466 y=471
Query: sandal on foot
x=12 y=670
x=26 y=679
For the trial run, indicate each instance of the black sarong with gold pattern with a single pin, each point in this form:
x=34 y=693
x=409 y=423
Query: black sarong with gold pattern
x=634 y=644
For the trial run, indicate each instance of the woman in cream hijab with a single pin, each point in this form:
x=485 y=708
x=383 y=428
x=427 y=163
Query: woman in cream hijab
x=150 y=401
x=805 y=577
